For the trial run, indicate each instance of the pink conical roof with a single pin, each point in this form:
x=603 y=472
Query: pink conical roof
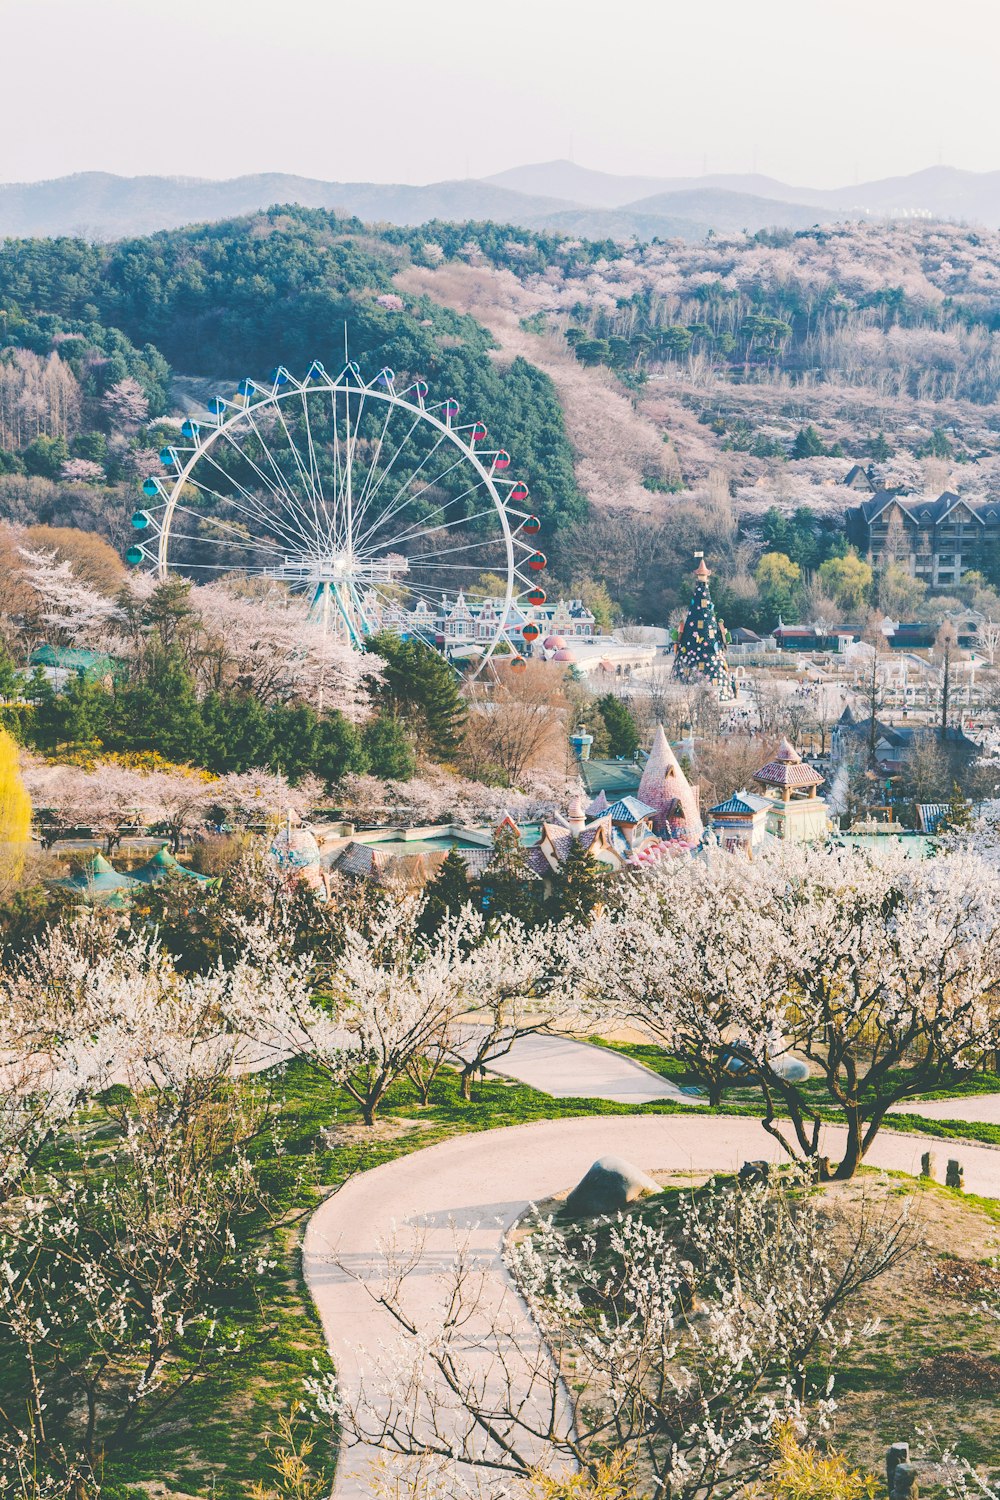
x=599 y=805
x=665 y=787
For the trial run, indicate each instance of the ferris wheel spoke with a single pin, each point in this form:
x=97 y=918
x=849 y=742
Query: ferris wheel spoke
x=374 y=489
x=250 y=505
x=215 y=522
x=283 y=492
x=443 y=507
x=362 y=502
x=403 y=495
x=192 y=567
x=317 y=498
x=405 y=498
x=291 y=525
x=479 y=545
x=257 y=514
x=304 y=474
x=412 y=536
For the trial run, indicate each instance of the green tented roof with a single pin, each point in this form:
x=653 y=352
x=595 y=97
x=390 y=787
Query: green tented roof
x=97 y=878
x=72 y=659
x=162 y=865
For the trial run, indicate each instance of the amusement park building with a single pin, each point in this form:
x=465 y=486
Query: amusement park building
x=459 y=623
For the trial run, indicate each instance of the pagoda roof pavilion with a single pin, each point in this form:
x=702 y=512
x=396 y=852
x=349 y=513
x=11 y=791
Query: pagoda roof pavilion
x=787 y=771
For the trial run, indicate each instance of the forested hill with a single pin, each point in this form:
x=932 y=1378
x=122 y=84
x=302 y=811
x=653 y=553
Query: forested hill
x=237 y=298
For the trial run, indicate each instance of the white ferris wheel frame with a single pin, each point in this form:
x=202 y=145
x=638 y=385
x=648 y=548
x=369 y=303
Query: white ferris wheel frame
x=283 y=387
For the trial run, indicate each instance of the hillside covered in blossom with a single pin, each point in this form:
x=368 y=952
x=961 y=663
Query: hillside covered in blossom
x=659 y=398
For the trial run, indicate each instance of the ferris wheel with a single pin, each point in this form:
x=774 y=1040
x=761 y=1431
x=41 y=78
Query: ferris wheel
x=369 y=503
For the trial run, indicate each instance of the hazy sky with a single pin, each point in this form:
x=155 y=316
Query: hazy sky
x=816 y=91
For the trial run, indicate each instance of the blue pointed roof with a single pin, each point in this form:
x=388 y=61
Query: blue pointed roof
x=743 y=803
x=630 y=810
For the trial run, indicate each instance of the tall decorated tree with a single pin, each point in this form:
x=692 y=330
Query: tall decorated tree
x=701 y=649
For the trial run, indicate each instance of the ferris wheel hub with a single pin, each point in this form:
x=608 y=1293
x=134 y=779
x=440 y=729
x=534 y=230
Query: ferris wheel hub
x=340 y=568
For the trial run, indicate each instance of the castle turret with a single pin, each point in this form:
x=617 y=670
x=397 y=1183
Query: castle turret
x=665 y=788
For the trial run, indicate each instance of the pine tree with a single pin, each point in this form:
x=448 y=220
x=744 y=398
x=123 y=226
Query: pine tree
x=508 y=887
x=15 y=815
x=388 y=749
x=623 y=734
x=958 y=818
x=419 y=684
x=700 y=650
x=446 y=894
x=580 y=886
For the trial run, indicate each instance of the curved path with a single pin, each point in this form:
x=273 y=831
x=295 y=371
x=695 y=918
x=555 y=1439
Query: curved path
x=484 y=1181
x=981 y=1109
x=566 y=1068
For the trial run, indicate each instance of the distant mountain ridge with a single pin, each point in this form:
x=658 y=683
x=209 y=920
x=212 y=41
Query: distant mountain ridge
x=558 y=196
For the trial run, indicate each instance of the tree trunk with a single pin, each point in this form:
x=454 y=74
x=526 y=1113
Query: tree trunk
x=466 y=1081
x=853 y=1151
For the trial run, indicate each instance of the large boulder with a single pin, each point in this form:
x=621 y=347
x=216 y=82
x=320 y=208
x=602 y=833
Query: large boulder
x=611 y=1183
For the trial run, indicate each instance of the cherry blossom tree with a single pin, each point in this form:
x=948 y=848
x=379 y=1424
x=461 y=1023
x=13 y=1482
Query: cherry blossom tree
x=362 y=1019
x=266 y=646
x=82 y=471
x=126 y=403
x=689 y=953
x=515 y=984
x=69 y=607
x=882 y=972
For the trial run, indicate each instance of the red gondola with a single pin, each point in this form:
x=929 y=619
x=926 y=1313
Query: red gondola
x=518 y=664
x=531 y=632
x=532 y=526
x=519 y=493
x=502 y=460
x=537 y=561
x=451 y=408
x=536 y=597
x=478 y=432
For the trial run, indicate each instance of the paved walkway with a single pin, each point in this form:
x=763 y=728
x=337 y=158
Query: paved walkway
x=984 y=1109
x=485 y=1181
x=568 y=1069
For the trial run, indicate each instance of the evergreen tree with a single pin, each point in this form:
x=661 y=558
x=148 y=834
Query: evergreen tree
x=958 y=818
x=508 y=886
x=295 y=736
x=623 y=733
x=580 y=885
x=161 y=712
x=340 y=750
x=419 y=684
x=78 y=716
x=388 y=749
x=446 y=894
x=808 y=443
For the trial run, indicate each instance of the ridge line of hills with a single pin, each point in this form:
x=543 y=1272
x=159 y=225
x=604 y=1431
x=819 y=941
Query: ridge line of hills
x=558 y=196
